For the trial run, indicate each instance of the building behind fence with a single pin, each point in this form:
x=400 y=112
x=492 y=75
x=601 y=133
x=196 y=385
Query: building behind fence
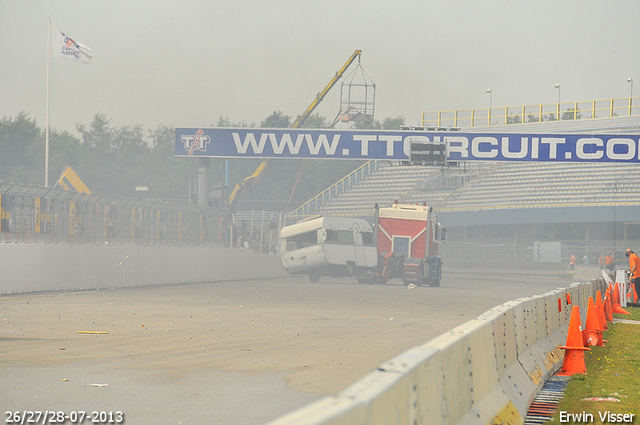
x=44 y=215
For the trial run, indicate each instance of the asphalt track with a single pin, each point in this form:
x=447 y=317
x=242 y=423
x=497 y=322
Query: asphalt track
x=227 y=353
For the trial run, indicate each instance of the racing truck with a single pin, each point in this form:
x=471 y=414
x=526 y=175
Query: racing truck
x=402 y=243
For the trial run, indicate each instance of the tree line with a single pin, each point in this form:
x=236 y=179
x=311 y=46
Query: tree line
x=113 y=160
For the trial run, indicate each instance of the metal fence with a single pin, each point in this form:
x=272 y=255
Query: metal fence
x=334 y=190
x=258 y=230
x=500 y=250
x=30 y=214
x=589 y=109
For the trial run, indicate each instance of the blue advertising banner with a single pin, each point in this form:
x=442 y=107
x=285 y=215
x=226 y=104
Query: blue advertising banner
x=396 y=145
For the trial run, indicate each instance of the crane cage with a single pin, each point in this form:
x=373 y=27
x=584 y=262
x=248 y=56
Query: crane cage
x=357 y=97
x=44 y=215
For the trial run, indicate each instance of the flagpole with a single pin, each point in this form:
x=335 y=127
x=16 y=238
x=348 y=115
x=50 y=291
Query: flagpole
x=46 y=119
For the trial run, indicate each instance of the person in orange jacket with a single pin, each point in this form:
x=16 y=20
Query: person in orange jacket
x=572 y=261
x=608 y=262
x=634 y=266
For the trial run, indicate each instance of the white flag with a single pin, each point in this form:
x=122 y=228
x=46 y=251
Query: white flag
x=66 y=47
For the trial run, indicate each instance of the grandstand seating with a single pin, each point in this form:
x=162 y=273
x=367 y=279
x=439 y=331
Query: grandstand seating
x=496 y=185
x=476 y=186
x=399 y=182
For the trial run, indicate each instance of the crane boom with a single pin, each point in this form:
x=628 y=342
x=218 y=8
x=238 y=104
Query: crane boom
x=249 y=181
x=320 y=96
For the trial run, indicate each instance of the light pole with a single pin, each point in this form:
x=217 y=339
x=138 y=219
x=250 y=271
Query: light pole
x=630 y=80
x=558 y=108
x=490 y=105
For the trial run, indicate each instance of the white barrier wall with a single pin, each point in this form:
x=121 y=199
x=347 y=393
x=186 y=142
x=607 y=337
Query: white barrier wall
x=40 y=267
x=487 y=370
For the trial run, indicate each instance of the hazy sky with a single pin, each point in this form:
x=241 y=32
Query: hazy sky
x=185 y=63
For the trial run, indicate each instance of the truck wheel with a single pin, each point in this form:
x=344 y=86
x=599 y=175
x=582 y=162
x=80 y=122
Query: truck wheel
x=314 y=278
x=362 y=281
x=435 y=283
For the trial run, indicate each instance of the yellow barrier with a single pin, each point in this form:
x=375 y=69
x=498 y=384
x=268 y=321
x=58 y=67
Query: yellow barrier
x=588 y=109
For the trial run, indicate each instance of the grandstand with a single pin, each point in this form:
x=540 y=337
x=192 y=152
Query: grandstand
x=524 y=196
x=392 y=181
x=547 y=185
x=490 y=185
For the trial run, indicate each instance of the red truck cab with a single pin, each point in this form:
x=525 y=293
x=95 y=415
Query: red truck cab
x=412 y=234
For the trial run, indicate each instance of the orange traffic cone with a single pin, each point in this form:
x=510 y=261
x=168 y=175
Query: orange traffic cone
x=592 y=333
x=602 y=320
x=608 y=313
x=574 y=350
x=617 y=308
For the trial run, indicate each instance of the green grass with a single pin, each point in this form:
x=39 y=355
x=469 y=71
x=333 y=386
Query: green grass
x=612 y=371
x=635 y=315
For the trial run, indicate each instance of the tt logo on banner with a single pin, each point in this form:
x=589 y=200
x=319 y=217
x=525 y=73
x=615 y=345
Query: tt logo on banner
x=196 y=142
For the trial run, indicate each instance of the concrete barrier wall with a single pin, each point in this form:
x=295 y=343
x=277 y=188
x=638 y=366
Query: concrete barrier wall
x=487 y=370
x=583 y=273
x=48 y=267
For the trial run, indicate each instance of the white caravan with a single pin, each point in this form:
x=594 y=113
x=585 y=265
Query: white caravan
x=328 y=246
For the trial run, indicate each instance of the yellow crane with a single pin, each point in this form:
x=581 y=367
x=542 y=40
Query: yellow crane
x=251 y=180
x=70 y=182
